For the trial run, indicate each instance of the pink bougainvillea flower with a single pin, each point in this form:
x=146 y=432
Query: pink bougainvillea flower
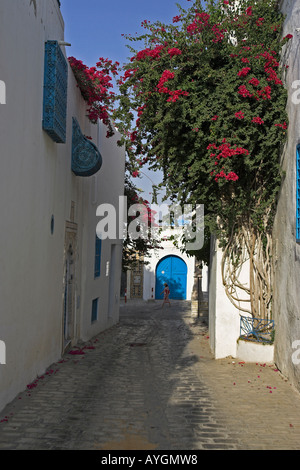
x=254 y=82
x=239 y=115
x=244 y=72
x=176 y=19
x=244 y=92
x=258 y=120
x=260 y=21
x=284 y=125
x=174 y=51
x=77 y=352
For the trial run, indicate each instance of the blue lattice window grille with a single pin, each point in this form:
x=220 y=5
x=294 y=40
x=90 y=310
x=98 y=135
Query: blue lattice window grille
x=95 y=310
x=298 y=195
x=55 y=92
x=86 y=158
x=98 y=246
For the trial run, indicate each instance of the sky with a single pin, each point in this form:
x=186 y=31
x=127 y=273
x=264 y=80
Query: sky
x=95 y=27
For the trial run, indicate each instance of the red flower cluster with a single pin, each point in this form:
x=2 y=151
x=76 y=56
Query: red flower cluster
x=226 y=151
x=176 y=19
x=174 y=51
x=239 y=115
x=231 y=176
x=153 y=53
x=258 y=120
x=244 y=92
x=133 y=136
x=284 y=125
x=94 y=85
x=265 y=93
x=219 y=36
x=244 y=72
x=199 y=23
x=167 y=75
x=260 y=21
x=254 y=82
x=174 y=95
x=129 y=73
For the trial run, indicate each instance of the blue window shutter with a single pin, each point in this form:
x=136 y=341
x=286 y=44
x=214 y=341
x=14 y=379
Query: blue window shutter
x=55 y=92
x=94 y=310
x=298 y=196
x=98 y=256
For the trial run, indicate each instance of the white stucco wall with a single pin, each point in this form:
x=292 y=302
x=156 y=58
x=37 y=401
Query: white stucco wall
x=36 y=184
x=103 y=188
x=224 y=318
x=286 y=250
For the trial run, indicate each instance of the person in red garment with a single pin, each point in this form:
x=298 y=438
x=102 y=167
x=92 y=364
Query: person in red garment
x=166 y=293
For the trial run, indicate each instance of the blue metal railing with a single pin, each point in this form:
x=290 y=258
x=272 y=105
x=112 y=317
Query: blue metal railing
x=257 y=329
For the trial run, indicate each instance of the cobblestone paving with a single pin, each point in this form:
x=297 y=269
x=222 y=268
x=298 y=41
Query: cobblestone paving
x=151 y=383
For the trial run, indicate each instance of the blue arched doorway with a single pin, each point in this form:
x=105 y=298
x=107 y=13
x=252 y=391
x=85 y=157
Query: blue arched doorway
x=172 y=270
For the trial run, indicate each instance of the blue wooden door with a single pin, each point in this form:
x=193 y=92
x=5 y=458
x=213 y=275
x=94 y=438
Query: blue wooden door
x=173 y=271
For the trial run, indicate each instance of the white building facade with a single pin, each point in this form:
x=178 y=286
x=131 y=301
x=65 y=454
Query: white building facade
x=58 y=282
x=169 y=264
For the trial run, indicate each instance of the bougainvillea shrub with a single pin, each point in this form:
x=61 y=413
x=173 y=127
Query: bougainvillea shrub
x=204 y=101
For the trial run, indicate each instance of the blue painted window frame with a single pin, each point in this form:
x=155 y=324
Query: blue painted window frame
x=94 y=316
x=98 y=247
x=298 y=194
x=55 y=92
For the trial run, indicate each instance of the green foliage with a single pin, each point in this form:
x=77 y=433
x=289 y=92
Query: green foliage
x=204 y=103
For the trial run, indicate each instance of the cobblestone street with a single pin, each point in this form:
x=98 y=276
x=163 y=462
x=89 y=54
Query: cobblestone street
x=150 y=383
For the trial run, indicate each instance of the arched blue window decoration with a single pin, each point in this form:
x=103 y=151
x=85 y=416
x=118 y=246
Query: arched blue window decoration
x=298 y=196
x=86 y=158
x=55 y=92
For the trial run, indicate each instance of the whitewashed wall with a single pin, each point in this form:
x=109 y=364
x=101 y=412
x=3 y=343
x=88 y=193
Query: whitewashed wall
x=103 y=188
x=36 y=184
x=224 y=318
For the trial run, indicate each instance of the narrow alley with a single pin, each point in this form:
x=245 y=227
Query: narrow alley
x=150 y=383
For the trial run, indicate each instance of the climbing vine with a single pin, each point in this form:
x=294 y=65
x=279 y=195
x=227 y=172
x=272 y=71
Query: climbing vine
x=204 y=102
